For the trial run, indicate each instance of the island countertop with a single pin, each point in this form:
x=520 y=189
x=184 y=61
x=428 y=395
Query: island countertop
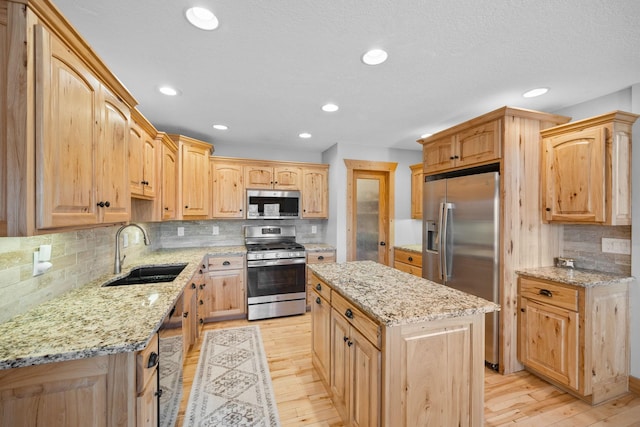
x=393 y=297
x=94 y=320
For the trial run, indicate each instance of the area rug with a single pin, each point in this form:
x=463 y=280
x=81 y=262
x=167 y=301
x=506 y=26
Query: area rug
x=232 y=384
x=170 y=379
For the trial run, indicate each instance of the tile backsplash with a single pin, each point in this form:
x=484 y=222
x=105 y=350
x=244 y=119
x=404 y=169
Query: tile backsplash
x=584 y=244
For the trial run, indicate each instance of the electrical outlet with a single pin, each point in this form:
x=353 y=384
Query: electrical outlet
x=314 y=229
x=216 y=230
x=136 y=238
x=616 y=246
x=125 y=240
x=180 y=231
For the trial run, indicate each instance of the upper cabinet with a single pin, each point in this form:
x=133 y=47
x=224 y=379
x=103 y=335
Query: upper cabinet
x=315 y=192
x=193 y=173
x=169 y=180
x=144 y=153
x=417 y=180
x=475 y=146
x=67 y=126
x=267 y=176
x=586 y=170
x=227 y=185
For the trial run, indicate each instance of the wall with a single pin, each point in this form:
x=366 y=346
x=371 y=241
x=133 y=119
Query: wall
x=627 y=100
x=78 y=257
x=265 y=151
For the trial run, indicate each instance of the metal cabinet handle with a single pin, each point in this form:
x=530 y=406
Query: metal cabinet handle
x=193 y=286
x=226 y=263
x=350 y=343
x=185 y=314
x=158 y=393
x=546 y=293
x=345 y=339
x=410 y=258
x=383 y=244
x=319 y=287
x=318 y=301
x=320 y=257
x=201 y=302
x=153 y=360
x=349 y=313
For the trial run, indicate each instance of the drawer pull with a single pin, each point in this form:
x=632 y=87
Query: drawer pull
x=319 y=287
x=193 y=286
x=349 y=313
x=350 y=343
x=410 y=258
x=318 y=301
x=185 y=314
x=546 y=293
x=345 y=339
x=226 y=263
x=320 y=258
x=153 y=360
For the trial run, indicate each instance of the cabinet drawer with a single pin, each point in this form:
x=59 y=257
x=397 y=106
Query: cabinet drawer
x=353 y=315
x=408 y=268
x=320 y=257
x=319 y=286
x=145 y=358
x=549 y=293
x=406 y=257
x=226 y=262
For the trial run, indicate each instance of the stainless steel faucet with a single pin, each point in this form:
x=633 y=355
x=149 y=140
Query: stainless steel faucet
x=118 y=264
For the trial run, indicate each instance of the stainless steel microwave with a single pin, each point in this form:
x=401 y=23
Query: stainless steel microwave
x=273 y=204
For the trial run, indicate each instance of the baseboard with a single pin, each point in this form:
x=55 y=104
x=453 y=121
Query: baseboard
x=634 y=385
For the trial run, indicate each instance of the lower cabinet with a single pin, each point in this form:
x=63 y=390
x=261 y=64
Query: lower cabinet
x=147 y=385
x=407 y=261
x=317 y=257
x=190 y=313
x=222 y=295
x=576 y=337
x=321 y=332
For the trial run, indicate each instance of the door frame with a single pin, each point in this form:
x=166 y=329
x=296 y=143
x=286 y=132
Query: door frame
x=369 y=166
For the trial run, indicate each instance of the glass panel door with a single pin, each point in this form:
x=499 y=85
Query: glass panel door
x=371 y=216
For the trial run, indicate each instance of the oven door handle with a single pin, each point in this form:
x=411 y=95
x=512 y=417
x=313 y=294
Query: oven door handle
x=272 y=262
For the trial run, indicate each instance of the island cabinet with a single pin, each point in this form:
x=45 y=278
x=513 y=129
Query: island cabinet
x=223 y=294
x=576 y=337
x=403 y=351
x=417 y=182
x=316 y=257
x=144 y=155
x=267 y=176
x=586 y=170
x=408 y=260
x=227 y=186
x=66 y=118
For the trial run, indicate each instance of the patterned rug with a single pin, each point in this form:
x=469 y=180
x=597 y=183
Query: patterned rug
x=170 y=379
x=232 y=385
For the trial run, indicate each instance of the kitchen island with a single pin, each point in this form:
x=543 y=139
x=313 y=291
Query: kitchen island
x=395 y=349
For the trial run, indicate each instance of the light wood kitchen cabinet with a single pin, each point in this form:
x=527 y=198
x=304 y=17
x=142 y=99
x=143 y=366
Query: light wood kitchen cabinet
x=477 y=145
x=144 y=152
x=417 y=182
x=407 y=261
x=68 y=130
x=3 y=124
x=147 y=385
x=223 y=293
x=315 y=192
x=586 y=170
x=267 y=176
x=193 y=173
x=227 y=177
x=317 y=257
x=321 y=328
x=576 y=337
x=190 y=314
x=169 y=173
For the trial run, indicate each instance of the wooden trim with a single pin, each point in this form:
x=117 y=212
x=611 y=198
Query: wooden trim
x=634 y=385
x=603 y=119
x=271 y=163
x=365 y=165
x=143 y=122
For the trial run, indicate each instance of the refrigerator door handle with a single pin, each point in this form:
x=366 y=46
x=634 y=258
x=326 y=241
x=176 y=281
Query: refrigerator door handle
x=445 y=258
x=440 y=243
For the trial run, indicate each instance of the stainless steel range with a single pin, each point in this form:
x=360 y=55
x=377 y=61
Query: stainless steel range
x=276 y=284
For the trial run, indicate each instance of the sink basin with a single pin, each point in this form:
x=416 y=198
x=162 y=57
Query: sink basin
x=149 y=274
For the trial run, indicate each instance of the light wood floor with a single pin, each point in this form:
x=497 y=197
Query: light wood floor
x=518 y=399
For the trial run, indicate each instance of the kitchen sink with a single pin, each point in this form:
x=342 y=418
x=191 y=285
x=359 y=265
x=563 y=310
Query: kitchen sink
x=149 y=274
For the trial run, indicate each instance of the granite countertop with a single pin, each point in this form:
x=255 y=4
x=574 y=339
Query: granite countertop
x=318 y=247
x=93 y=320
x=393 y=297
x=576 y=277
x=411 y=248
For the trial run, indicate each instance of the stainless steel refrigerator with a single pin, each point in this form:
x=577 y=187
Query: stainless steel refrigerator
x=461 y=241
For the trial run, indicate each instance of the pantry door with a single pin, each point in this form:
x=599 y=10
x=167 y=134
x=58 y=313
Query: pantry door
x=369 y=210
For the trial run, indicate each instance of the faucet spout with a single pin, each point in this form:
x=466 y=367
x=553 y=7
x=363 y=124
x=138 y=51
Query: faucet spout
x=118 y=261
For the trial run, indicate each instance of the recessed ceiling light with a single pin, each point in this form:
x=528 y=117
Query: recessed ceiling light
x=374 y=57
x=202 y=18
x=330 y=108
x=220 y=127
x=426 y=135
x=535 y=92
x=168 y=90
x=305 y=135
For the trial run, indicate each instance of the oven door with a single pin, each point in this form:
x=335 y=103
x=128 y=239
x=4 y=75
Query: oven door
x=274 y=280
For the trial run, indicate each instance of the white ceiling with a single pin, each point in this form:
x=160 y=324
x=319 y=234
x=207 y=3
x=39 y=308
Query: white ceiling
x=270 y=66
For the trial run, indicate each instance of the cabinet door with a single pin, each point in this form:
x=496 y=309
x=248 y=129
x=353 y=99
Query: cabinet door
x=438 y=155
x=478 y=145
x=190 y=317
x=574 y=174
x=315 y=193
x=228 y=190
x=224 y=294
x=257 y=176
x=147 y=404
x=417 y=182
x=339 y=364
x=287 y=178
x=169 y=179
x=136 y=160
x=3 y=134
x=66 y=136
x=364 y=379
x=321 y=335
x=195 y=182
x=549 y=341
x=150 y=175
x=113 y=162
